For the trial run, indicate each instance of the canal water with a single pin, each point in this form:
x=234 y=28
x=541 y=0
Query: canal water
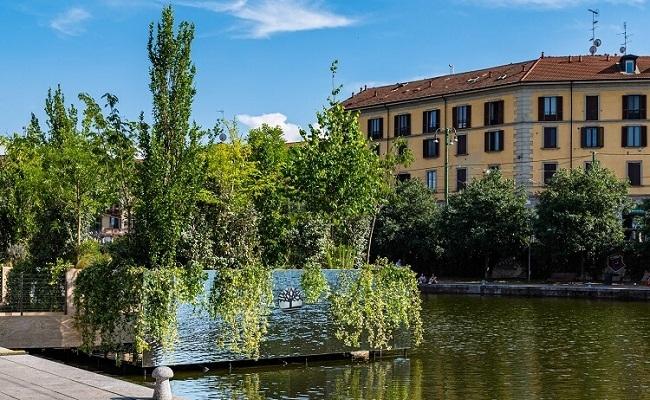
x=475 y=348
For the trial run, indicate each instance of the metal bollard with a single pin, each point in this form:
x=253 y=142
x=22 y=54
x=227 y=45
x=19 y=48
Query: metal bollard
x=162 y=390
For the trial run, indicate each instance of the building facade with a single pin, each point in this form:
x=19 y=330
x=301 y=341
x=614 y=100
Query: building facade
x=527 y=119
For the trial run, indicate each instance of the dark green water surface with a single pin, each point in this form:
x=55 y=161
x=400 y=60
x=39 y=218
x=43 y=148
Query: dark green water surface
x=475 y=348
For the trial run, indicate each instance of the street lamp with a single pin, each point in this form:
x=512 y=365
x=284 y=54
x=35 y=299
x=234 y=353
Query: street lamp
x=451 y=137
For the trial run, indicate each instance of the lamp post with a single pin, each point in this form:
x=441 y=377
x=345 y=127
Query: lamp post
x=450 y=138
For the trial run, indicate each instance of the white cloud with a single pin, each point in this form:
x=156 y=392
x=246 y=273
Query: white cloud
x=263 y=18
x=291 y=131
x=70 y=22
x=550 y=3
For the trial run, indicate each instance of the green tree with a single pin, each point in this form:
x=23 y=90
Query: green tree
x=76 y=174
x=406 y=227
x=579 y=215
x=171 y=171
x=270 y=155
x=486 y=222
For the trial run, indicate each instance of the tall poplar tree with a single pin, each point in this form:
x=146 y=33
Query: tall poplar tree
x=171 y=171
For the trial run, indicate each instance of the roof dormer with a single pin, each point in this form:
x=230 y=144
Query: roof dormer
x=628 y=64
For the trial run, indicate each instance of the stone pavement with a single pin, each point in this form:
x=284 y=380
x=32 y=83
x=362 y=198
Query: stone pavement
x=33 y=378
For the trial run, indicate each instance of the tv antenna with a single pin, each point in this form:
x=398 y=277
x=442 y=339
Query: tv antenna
x=626 y=38
x=595 y=43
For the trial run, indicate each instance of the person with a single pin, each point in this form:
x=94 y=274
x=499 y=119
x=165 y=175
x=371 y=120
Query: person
x=399 y=262
x=433 y=280
x=422 y=279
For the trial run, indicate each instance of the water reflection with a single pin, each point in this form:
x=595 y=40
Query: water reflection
x=476 y=348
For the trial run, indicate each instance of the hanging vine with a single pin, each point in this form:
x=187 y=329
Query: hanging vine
x=374 y=302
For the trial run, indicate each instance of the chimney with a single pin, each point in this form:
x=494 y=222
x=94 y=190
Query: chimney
x=607 y=57
x=489 y=74
x=523 y=67
x=365 y=87
x=580 y=58
x=375 y=95
x=542 y=55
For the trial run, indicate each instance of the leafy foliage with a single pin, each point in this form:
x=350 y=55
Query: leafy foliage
x=407 y=226
x=579 y=214
x=487 y=221
x=374 y=302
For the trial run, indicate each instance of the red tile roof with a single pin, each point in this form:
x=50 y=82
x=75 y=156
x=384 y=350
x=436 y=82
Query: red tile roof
x=544 y=69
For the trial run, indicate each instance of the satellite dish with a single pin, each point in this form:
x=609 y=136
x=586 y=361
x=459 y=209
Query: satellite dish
x=223 y=137
x=597 y=42
x=622 y=49
x=593 y=50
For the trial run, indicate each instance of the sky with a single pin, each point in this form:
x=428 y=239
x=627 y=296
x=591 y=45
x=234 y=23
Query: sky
x=267 y=61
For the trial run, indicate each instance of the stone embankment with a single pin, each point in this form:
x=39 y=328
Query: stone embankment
x=586 y=290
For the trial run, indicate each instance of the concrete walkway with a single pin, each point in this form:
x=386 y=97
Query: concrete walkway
x=33 y=378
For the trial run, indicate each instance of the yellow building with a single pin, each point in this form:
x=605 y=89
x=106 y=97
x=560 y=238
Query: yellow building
x=527 y=119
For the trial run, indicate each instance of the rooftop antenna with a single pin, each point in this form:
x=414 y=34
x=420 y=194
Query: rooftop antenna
x=626 y=40
x=451 y=69
x=595 y=43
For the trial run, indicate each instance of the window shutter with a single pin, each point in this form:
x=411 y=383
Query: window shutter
x=469 y=117
x=540 y=108
x=623 y=136
x=642 y=104
x=454 y=117
x=583 y=137
x=601 y=136
x=408 y=124
x=437 y=149
x=500 y=111
x=396 y=126
x=381 y=128
x=501 y=142
x=559 y=108
x=369 y=129
x=487 y=141
x=437 y=126
x=425 y=123
x=644 y=136
x=425 y=144
x=624 y=108
x=486 y=114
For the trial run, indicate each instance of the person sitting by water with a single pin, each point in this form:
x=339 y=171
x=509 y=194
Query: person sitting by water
x=422 y=279
x=433 y=280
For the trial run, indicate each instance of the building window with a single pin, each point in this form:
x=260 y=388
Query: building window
x=550 y=108
x=634 y=173
x=634 y=136
x=629 y=67
x=461 y=179
x=114 y=222
x=634 y=107
x=430 y=148
x=494 y=141
x=430 y=121
x=462 y=117
x=432 y=180
x=550 y=137
x=549 y=170
x=403 y=177
x=403 y=125
x=592 y=136
x=493 y=113
x=494 y=167
x=376 y=128
x=592 y=108
x=461 y=145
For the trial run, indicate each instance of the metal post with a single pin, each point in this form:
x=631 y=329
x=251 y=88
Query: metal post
x=446 y=166
x=529 y=246
x=22 y=282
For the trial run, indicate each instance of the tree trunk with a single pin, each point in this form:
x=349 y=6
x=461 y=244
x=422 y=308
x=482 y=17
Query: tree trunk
x=372 y=230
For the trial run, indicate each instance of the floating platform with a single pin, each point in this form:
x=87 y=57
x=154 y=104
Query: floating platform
x=579 y=290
